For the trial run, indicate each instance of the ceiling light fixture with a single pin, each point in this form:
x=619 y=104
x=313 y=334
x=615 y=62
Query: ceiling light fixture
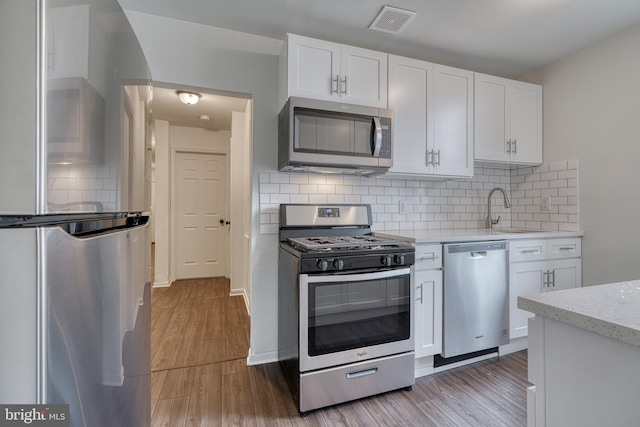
x=188 y=98
x=205 y=117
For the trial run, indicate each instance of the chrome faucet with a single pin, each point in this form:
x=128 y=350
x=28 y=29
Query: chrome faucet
x=490 y=222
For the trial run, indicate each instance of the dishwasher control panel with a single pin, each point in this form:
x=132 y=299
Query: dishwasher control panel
x=476 y=247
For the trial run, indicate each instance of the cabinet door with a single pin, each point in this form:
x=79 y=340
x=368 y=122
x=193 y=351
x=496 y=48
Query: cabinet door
x=313 y=68
x=524 y=279
x=68 y=49
x=490 y=113
x=453 y=121
x=564 y=274
x=428 y=312
x=525 y=123
x=363 y=76
x=411 y=99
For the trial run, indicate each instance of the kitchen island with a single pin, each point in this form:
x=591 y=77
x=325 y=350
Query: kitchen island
x=584 y=356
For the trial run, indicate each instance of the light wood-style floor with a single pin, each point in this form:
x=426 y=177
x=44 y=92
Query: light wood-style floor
x=200 y=341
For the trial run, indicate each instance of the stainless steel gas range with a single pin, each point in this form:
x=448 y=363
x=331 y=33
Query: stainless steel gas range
x=345 y=327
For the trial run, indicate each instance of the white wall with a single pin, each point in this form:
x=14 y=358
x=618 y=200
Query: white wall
x=240 y=205
x=190 y=54
x=592 y=113
x=161 y=203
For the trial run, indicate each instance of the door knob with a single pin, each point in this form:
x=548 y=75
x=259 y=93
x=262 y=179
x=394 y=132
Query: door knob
x=223 y=222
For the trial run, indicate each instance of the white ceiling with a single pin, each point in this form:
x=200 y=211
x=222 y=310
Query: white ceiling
x=167 y=106
x=502 y=37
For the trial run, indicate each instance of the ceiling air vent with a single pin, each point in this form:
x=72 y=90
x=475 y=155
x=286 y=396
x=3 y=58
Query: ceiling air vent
x=392 y=20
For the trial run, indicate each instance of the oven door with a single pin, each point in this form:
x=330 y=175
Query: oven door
x=350 y=317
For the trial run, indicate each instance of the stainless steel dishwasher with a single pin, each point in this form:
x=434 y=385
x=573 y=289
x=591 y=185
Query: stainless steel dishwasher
x=476 y=297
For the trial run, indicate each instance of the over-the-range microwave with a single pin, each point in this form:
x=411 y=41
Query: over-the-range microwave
x=331 y=137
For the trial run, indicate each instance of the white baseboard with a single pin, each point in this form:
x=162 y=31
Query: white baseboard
x=262 y=358
x=243 y=293
x=424 y=367
x=161 y=284
x=514 y=345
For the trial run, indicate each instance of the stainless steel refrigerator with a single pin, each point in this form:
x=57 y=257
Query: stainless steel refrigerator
x=75 y=257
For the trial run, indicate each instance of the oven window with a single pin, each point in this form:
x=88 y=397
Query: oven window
x=350 y=315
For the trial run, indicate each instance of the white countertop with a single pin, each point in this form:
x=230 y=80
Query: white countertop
x=612 y=310
x=469 y=235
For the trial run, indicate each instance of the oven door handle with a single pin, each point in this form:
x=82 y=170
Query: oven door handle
x=355 y=277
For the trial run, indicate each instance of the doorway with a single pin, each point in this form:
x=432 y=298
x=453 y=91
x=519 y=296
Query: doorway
x=214 y=133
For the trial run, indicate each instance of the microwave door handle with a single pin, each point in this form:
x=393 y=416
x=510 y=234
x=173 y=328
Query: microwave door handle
x=376 y=137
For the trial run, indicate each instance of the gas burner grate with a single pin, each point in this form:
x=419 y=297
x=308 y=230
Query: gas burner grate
x=359 y=242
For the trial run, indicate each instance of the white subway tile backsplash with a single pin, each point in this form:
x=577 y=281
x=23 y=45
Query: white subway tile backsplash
x=431 y=204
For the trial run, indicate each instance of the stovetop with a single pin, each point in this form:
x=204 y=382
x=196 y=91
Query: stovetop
x=337 y=239
x=345 y=243
x=348 y=253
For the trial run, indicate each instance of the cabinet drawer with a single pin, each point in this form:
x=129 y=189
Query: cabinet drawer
x=564 y=248
x=527 y=250
x=428 y=257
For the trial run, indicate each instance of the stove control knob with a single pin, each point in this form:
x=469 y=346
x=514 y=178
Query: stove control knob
x=399 y=259
x=323 y=264
x=338 y=264
x=386 y=260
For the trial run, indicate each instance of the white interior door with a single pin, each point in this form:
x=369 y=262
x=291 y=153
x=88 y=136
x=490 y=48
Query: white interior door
x=202 y=238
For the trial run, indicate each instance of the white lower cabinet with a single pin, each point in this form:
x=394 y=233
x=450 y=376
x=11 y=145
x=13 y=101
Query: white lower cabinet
x=557 y=265
x=428 y=312
x=427 y=282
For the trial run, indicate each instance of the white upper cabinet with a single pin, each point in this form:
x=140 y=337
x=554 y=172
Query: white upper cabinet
x=453 y=121
x=68 y=36
x=433 y=118
x=411 y=99
x=508 y=121
x=329 y=71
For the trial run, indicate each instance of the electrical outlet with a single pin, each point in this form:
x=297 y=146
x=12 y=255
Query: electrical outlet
x=402 y=207
x=546 y=204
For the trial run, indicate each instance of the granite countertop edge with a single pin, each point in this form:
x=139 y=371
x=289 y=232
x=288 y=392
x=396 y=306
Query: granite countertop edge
x=469 y=235
x=611 y=310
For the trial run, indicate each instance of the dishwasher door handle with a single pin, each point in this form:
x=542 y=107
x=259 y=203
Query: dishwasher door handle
x=480 y=254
